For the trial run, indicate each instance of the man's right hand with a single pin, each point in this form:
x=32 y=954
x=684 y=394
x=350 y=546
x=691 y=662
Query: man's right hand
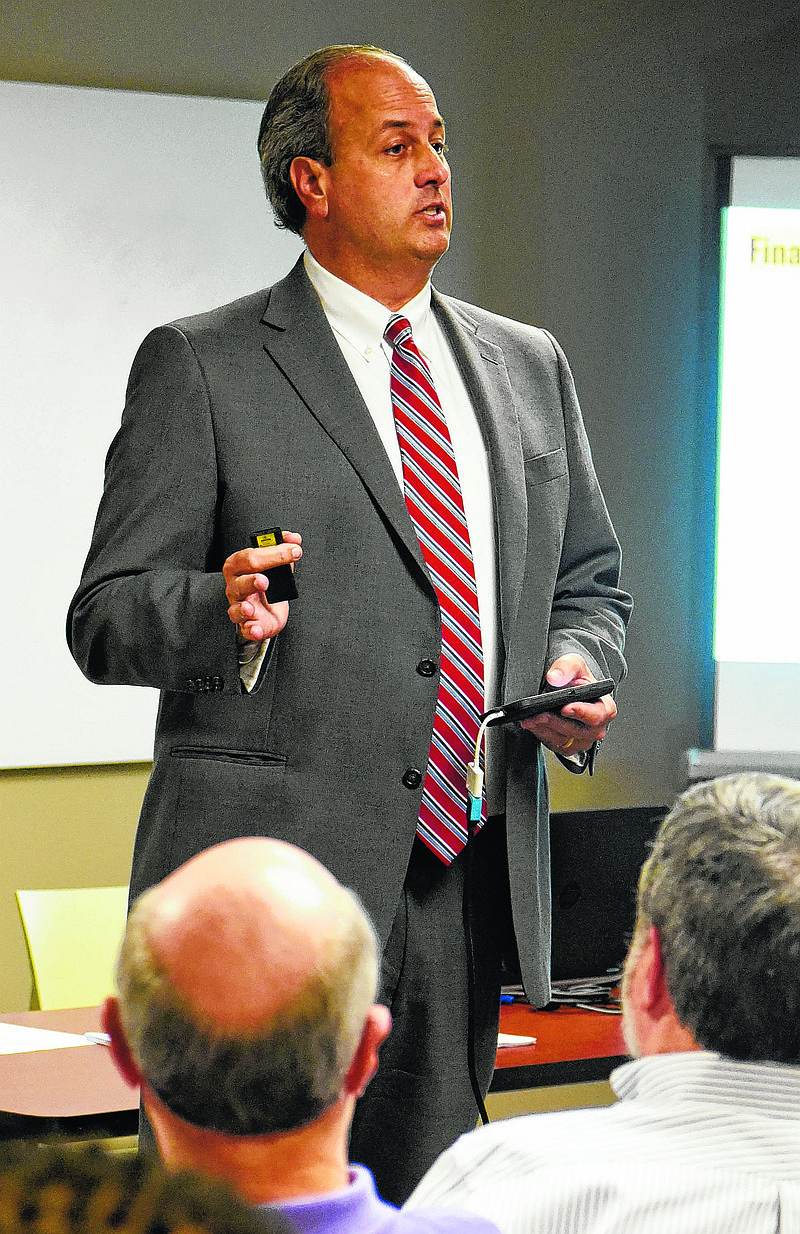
x=246 y=587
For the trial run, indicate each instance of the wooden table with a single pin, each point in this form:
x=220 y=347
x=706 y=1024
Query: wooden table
x=572 y=1046
x=79 y=1092
x=74 y=1092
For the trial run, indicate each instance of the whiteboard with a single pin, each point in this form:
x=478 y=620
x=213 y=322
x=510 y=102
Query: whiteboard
x=118 y=211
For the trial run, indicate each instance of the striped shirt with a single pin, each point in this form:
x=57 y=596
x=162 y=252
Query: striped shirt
x=695 y=1143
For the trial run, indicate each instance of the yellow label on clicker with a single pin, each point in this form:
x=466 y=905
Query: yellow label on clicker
x=266 y=539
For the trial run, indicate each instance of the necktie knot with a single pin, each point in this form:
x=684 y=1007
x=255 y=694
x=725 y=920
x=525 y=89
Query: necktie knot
x=398 y=331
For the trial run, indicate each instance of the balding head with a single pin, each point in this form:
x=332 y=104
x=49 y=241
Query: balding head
x=244 y=982
x=240 y=930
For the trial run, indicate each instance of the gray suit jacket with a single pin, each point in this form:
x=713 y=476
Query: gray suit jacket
x=248 y=417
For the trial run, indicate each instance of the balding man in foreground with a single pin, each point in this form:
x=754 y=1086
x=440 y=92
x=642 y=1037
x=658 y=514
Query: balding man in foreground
x=706 y=1133
x=246 y=1012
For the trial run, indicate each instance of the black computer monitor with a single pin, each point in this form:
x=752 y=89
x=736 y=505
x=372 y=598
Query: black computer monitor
x=595 y=859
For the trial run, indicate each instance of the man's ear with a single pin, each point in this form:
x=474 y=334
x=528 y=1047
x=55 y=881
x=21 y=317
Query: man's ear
x=309 y=182
x=650 y=973
x=376 y=1029
x=120 y=1050
x=652 y=1011
x=648 y=994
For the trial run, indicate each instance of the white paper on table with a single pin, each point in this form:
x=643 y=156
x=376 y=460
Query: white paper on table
x=510 y=1039
x=21 y=1039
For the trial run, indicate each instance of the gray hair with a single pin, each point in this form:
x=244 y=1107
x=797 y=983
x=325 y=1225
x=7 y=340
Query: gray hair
x=258 y=1084
x=722 y=887
x=295 y=124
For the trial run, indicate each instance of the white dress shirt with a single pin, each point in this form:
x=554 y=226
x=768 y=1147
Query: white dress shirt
x=695 y=1143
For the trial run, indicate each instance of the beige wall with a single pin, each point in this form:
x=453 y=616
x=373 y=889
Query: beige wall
x=62 y=827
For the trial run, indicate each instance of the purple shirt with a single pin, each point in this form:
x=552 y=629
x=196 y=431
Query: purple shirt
x=360 y=1210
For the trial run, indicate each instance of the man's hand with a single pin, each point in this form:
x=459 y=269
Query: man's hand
x=246 y=588
x=578 y=725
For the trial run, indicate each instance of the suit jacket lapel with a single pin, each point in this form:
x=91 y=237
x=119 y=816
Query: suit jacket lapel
x=302 y=344
x=483 y=368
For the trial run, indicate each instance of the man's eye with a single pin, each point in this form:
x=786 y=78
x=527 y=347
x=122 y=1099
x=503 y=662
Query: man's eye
x=440 y=147
x=396 y=149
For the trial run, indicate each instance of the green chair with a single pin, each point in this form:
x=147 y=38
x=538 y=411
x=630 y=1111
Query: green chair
x=73 y=936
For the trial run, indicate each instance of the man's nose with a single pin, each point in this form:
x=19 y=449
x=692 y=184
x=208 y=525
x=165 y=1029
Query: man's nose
x=433 y=169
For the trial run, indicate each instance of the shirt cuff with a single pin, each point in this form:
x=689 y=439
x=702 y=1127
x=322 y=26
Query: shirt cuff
x=578 y=763
x=251 y=657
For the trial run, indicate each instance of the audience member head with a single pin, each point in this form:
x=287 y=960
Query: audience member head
x=246 y=986
x=295 y=124
x=58 y=1189
x=715 y=959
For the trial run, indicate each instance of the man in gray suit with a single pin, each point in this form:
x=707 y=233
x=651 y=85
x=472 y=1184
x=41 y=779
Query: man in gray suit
x=311 y=720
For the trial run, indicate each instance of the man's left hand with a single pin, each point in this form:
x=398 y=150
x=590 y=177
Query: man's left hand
x=578 y=725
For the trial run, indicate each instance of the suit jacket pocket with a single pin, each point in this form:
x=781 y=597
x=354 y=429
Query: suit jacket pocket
x=545 y=467
x=217 y=754
x=222 y=794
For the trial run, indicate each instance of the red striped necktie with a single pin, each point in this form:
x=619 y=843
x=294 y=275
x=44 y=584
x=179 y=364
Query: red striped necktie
x=433 y=498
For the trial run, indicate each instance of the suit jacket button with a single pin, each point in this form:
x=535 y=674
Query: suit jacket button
x=427 y=668
x=412 y=777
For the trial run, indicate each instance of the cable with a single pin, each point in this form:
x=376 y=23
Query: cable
x=474 y=800
x=465 y=914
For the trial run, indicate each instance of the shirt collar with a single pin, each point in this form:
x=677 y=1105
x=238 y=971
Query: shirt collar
x=337 y=1212
x=357 y=317
x=703 y=1076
